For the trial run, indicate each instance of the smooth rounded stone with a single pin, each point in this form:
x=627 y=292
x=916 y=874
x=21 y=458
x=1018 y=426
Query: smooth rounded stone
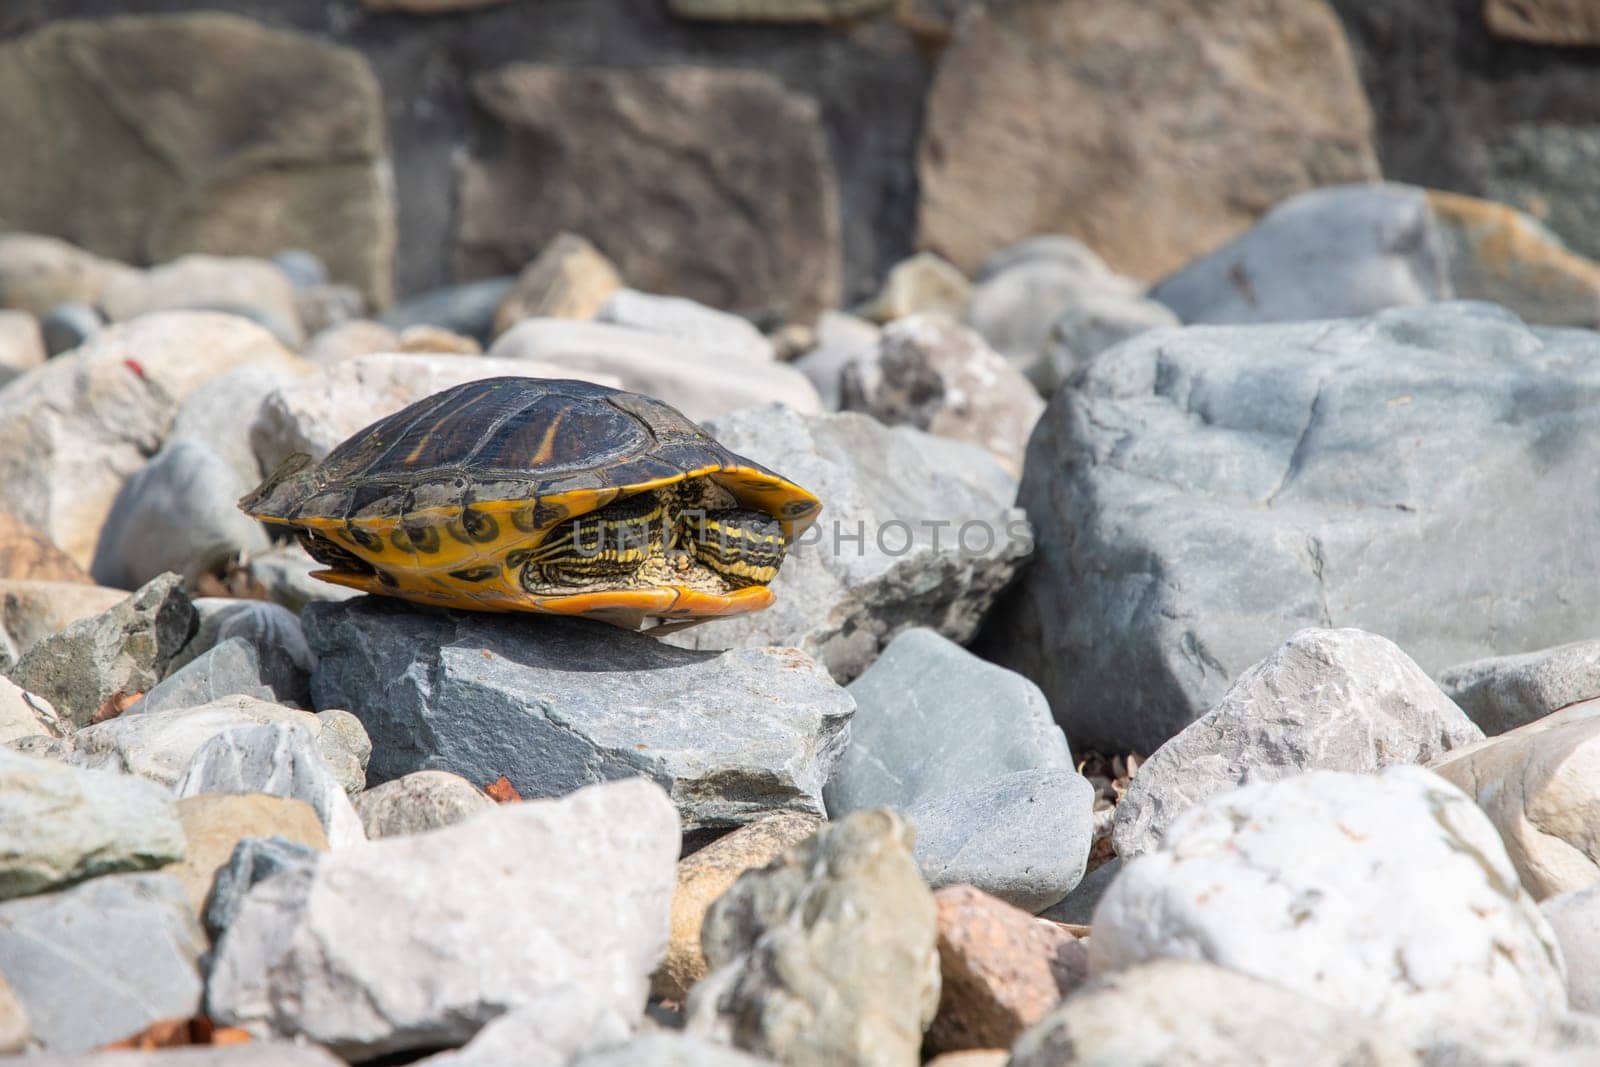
x=569 y=279
x=15 y=1031
x=555 y=704
x=177 y=514
x=236 y=667
x=1071 y=117
x=776 y=10
x=343 y=742
x=1503 y=256
x=1330 y=700
x=937 y=375
x=551 y=1035
x=841 y=340
x=1325 y=254
x=254 y=288
x=263 y=624
x=1387 y=895
x=1540 y=786
x=327 y=306
x=707 y=874
x=253 y=860
x=1021 y=291
x=32 y=610
x=669 y=1048
x=103 y=960
x=280 y=759
x=28 y=555
x=932 y=718
x=1201 y=494
x=467 y=309
x=1543 y=21
x=25 y=714
x=122 y=651
x=1189 y=1013
x=1023 y=837
x=1095 y=323
x=38 y=273
x=214 y=825
x=159 y=745
x=252 y=1054
x=72 y=431
x=21 y=344
x=1501 y=693
x=756 y=231
x=417 y=802
x=285 y=574
x=558 y=905
x=826 y=956
x=1000 y=970
x=69 y=326
x=424 y=340
x=1575 y=918
x=697 y=382
x=923 y=284
x=919 y=531
x=314 y=415
x=219 y=414
x=1077 y=907
x=709 y=330
x=60 y=825
x=348 y=340
x=304 y=269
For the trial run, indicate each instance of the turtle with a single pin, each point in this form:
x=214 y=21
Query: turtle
x=542 y=495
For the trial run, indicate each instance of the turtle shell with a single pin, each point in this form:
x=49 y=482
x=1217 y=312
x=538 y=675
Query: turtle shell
x=441 y=502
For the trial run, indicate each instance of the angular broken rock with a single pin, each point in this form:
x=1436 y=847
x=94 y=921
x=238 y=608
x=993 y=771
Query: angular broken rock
x=917 y=531
x=60 y=825
x=1332 y=700
x=119 y=652
x=827 y=956
x=281 y=760
x=555 y=704
x=515 y=909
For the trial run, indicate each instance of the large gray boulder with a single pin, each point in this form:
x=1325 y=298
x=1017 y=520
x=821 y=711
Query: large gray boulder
x=1202 y=494
x=60 y=825
x=103 y=960
x=916 y=530
x=555 y=704
x=1328 y=700
x=553 y=907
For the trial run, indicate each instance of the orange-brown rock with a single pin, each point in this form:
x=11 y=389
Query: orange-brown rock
x=1001 y=970
x=27 y=554
x=1563 y=22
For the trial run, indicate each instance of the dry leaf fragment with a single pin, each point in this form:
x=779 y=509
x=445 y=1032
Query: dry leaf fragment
x=501 y=791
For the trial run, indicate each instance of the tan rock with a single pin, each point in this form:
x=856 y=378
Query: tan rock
x=201 y=282
x=986 y=1057
x=21 y=344
x=14 y=1028
x=347 y=340
x=215 y=823
x=698 y=208
x=923 y=283
x=1000 y=969
x=1153 y=132
x=1540 y=786
x=31 y=610
x=25 y=714
x=38 y=272
x=571 y=279
x=1562 y=22
x=418 y=802
x=196 y=132
x=705 y=876
x=776 y=10
x=74 y=430
x=28 y=555
x=1501 y=255
x=437 y=340
x=428 y=7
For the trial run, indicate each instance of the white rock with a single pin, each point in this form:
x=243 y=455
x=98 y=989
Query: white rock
x=842 y=340
x=1389 y=895
x=1540 y=786
x=706 y=328
x=315 y=414
x=551 y=1035
x=25 y=714
x=1575 y=918
x=21 y=344
x=1333 y=700
x=239 y=284
x=279 y=759
x=516 y=909
x=74 y=429
x=696 y=382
